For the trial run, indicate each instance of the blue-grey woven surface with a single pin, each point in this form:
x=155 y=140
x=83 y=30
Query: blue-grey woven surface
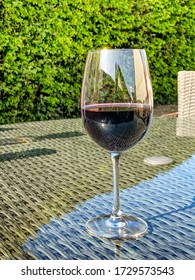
x=53 y=178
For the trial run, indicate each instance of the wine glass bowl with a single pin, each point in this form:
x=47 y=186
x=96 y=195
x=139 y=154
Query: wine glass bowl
x=116 y=108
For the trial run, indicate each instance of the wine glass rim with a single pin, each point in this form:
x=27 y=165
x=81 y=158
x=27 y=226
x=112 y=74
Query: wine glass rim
x=117 y=50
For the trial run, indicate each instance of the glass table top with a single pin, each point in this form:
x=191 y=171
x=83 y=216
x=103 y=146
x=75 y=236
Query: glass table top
x=53 y=178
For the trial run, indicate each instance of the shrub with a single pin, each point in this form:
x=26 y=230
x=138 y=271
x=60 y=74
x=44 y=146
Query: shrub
x=43 y=47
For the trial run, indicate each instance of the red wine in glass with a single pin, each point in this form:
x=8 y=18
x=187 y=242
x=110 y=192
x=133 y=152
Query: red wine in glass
x=116 y=127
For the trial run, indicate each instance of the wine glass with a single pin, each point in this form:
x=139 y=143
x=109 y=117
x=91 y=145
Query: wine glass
x=116 y=109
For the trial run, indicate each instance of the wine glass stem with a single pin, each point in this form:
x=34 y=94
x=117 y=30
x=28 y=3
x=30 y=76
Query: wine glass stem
x=116 y=200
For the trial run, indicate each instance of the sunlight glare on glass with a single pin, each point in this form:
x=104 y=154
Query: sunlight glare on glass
x=107 y=63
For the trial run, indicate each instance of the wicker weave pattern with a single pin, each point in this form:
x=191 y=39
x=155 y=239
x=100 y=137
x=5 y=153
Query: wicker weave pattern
x=186 y=94
x=53 y=177
x=186 y=104
x=160 y=206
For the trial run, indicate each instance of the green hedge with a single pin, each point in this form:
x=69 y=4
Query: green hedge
x=43 y=47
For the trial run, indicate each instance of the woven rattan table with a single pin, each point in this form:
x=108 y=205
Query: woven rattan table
x=53 y=177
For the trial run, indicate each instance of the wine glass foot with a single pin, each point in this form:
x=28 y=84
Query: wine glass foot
x=128 y=227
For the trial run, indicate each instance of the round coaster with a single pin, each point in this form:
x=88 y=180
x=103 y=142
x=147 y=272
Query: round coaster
x=158 y=160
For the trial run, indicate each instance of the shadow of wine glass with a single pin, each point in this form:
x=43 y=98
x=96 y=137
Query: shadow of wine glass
x=67 y=134
x=26 y=154
x=2 y=129
x=27 y=138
